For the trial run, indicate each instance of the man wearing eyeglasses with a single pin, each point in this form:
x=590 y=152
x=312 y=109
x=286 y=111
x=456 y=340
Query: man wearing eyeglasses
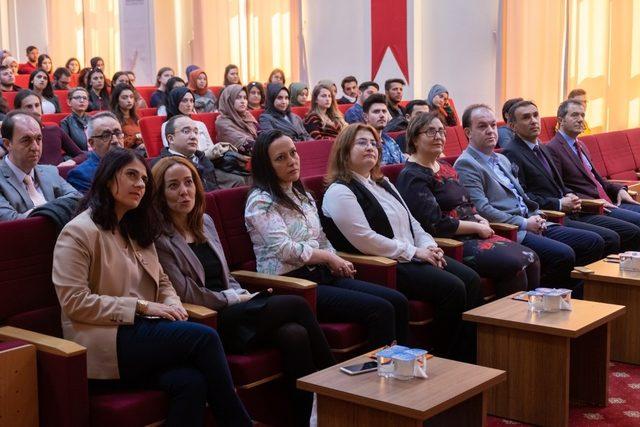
x=24 y=184
x=182 y=135
x=104 y=133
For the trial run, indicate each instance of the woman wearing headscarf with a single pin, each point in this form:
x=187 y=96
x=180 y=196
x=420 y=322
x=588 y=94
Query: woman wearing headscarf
x=199 y=85
x=277 y=114
x=255 y=95
x=235 y=124
x=299 y=93
x=438 y=100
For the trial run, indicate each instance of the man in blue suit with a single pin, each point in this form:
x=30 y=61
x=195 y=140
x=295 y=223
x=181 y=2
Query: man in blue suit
x=24 y=184
x=498 y=196
x=104 y=133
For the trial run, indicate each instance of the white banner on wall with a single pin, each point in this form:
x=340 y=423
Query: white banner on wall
x=137 y=39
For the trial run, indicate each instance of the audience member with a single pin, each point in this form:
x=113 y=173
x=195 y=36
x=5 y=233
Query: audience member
x=132 y=77
x=299 y=94
x=349 y=89
x=235 y=124
x=579 y=95
x=282 y=220
x=573 y=161
x=40 y=83
x=330 y=84
x=61 y=78
x=505 y=133
x=393 y=89
x=364 y=213
x=123 y=106
x=24 y=184
x=73 y=65
x=205 y=99
x=376 y=115
x=231 y=75
x=256 y=96
x=82 y=77
x=541 y=181
x=45 y=63
x=400 y=123
x=159 y=97
x=181 y=134
x=12 y=63
x=58 y=148
x=324 y=119
x=97 y=88
x=97 y=62
x=188 y=71
x=355 y=113
x=441 y=205
x=438 y=100
x=277 y=114
x=75 y=124
x=109 y=283
x=4 y=53
x=32 y=61
x=498 y=197
x=104 y=133
x=181 y=102
x=277 y=76
x=8 y=80
x=172 y=83
x=122 y=77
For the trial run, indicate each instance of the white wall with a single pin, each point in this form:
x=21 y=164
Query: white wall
x=27 y=25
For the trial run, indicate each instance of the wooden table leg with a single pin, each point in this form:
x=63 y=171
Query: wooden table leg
x=625 y=330
x=537 y=365
x=589 y=378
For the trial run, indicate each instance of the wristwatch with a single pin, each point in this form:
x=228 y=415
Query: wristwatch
x=142 y=306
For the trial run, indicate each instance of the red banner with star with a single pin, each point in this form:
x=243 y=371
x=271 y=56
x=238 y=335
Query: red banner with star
x=389 y=30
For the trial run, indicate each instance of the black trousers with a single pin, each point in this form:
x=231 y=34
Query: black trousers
x=452 y=290
x=187 y=361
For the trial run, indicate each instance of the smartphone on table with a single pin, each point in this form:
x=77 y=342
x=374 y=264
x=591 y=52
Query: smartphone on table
x=360 y=368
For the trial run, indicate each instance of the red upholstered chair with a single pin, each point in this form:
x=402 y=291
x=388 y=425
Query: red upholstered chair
x=146 y=112
x=314 y=156
x=62 y=100
x=617 y=155
x=54 y=118
x=216 y=90
x=547 y=128
x=227 y=210
x=462 y=137
x=633 y=136
x=256 y=113
x=9 y=97
x=150 y=128
x=344 y=107
x=209 y=119
x=22 y=80
x=452 y=143
x=300 y=111
x=146 y=92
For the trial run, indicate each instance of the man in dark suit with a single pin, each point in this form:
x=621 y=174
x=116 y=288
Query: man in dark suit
x=498 y=197
x=543 y=184
x=571 y=158
x=24 y=184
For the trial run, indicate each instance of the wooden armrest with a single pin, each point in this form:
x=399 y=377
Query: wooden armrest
x=46 y=343
x=631 y=185
x=632 y=193
x=368 y=259
x=253 y=278
x=447 y=243
x=596 y=203
x=198 y=311
x=501 y=226
x=553 y=214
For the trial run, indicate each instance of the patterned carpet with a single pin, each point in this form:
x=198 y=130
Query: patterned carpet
x=623 y=409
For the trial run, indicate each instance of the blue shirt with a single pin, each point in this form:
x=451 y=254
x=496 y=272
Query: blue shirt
x=82 y=175
x=391 y=152
x=354 y=114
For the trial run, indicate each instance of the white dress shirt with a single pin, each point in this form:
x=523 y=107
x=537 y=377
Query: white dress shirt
x=341 y=205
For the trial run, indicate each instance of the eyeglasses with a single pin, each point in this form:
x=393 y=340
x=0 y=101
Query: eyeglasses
x=79 y=98
x=432 y=132
x=364 y=143
x=108 y=134
x=187 y=131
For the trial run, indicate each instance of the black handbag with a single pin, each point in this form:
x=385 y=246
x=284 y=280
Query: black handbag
x=232 y=162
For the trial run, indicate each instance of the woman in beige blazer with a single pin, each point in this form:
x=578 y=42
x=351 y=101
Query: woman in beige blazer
x=117 y=301
x=191 y=253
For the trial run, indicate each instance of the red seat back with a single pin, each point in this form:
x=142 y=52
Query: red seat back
x=452 y=143
x=344 y=107
x=316 y=186
x=392 y=171
x=595 y=154
x=150 y=128
x=146 y=112
x=22 y=80
x=617 y=155
x=548 y=128
x=54 y=118
x=146 y=92
x=256 y=113
x=314 y=156
x=9 y=97
x=633 y=137
x=216 y=90
x=300 y=111
x=62 y=100
x=209 y=119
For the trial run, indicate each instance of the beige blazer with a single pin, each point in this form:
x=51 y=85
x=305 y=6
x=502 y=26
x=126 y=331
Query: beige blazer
x=94 y=294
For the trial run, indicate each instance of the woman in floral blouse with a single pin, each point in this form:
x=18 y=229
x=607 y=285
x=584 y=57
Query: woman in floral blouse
x=282 y=220
x=441 y=204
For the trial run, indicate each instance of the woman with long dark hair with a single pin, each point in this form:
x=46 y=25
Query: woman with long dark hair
x=123 y=105
x=118 y=303
x=122 y=77
x=324 y=119
x=97 y=88
x=231 y=75
x=282 y=220
x=73 y=65
x=40 y=83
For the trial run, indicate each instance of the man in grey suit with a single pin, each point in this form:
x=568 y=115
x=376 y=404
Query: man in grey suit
x=24 y=184
x=498 y=196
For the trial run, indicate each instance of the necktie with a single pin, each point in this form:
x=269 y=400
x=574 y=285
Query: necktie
x=538 y=152
x=583 y=157
x=37 y=198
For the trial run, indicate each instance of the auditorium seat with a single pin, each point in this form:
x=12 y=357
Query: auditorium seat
x=452 y=146
x=54 y=118
x=62 y=100
x=209 y=119
x=256 y=113
x=547 y=128
x=314 y=156
x=617 y=155
x=633 y=137
x=146 y=112
x=146 y=92
x=216 y=90
x=344 y=107
x=150 y=128
x=301 y=111
x=9 y=97
x=22 y=80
